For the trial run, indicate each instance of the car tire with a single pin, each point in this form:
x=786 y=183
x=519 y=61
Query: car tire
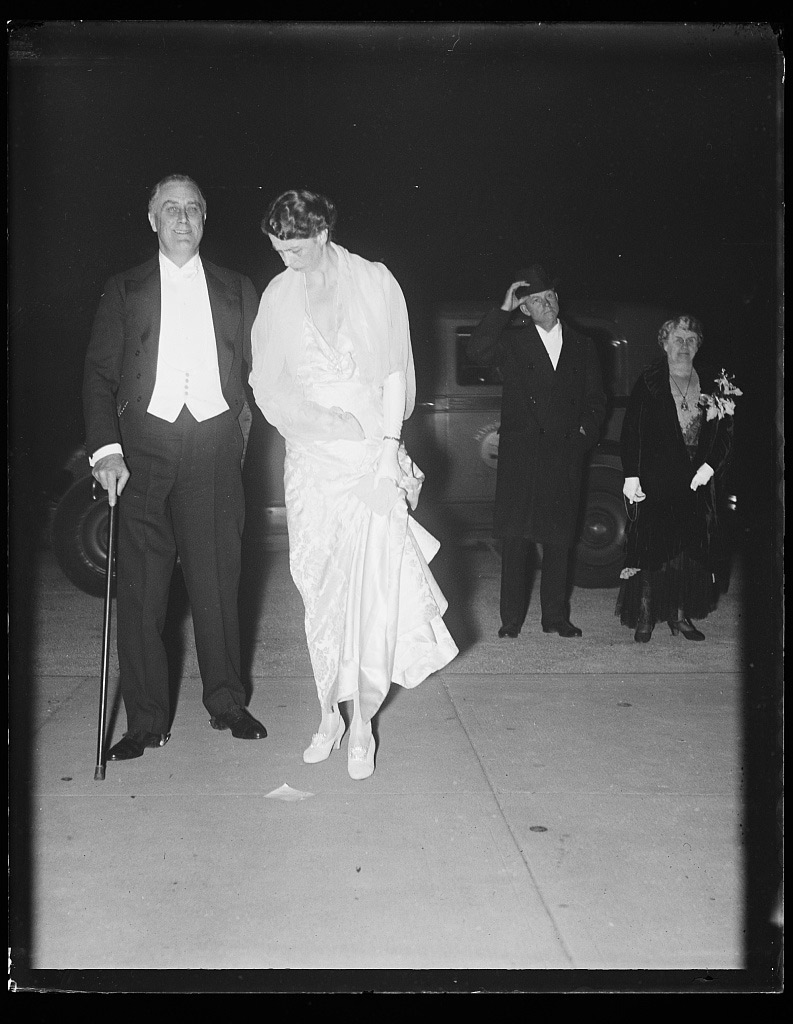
x=600 y=552
x=79 y=536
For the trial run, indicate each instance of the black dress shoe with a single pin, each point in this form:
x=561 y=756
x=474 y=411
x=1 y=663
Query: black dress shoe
x=242 y=724
x=510 y=631
x=566 y=629
x=131 y=746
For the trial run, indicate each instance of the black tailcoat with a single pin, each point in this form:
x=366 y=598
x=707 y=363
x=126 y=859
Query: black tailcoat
x=121 y=364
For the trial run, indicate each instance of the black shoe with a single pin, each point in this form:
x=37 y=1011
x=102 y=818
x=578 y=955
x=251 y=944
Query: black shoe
x=131 y=746
x=644 y=630
x=687 y=628
x=242 y=724
x=510 y=631
x=566 y=629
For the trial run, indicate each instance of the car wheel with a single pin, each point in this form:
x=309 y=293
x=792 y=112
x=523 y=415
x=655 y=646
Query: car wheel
x=600 y=552
x=79 y=536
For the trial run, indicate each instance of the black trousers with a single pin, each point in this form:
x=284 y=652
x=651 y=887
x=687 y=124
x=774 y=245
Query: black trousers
x=184 y=496
x=517 y=555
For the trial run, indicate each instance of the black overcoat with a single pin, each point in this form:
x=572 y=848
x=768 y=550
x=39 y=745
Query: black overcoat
x=549 y=420
x=672 y=517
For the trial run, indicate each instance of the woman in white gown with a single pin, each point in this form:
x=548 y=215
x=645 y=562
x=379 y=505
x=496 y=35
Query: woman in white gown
x=333 y=372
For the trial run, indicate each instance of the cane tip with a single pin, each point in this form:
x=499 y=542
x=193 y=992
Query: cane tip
x=99 y=773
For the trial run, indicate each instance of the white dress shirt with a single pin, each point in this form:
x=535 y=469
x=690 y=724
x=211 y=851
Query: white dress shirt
x=552 y=340
x=187 y=360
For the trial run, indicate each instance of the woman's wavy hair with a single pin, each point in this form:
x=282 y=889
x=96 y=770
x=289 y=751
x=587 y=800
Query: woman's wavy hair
x=689 y=323
x=299 y=213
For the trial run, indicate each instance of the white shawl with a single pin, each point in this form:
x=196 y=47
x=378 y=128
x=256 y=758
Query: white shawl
x=377 y=321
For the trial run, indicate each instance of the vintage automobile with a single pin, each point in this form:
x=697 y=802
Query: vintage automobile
x=452 y=436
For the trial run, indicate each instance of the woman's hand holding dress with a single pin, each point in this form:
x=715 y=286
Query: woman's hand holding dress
x=388 y=467
x=345 y=426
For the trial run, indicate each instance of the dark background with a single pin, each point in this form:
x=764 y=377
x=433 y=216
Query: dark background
x=636 y=161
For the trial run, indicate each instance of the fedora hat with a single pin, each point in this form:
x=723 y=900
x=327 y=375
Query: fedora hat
x=538 y=281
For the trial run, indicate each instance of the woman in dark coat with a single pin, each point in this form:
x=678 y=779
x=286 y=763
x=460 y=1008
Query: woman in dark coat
x=676 y=440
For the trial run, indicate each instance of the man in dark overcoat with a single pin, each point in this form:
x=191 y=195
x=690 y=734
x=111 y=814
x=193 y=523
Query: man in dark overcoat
x=552 y=409
x=162 y=393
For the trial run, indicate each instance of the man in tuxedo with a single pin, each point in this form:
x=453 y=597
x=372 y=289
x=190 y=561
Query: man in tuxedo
x=162 y=392
x=552 y=409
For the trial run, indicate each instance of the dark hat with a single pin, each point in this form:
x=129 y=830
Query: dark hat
x=537 y=279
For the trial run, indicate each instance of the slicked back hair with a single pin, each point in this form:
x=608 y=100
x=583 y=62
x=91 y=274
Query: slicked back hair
x=185 y=180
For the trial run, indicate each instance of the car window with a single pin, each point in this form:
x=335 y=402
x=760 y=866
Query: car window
x=607 y=346
x=469 y=372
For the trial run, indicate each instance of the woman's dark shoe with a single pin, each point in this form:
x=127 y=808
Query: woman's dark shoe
x=687 y=628
x=645 y=623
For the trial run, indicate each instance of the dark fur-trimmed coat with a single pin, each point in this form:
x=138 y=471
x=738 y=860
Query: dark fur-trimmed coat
x=673 y=517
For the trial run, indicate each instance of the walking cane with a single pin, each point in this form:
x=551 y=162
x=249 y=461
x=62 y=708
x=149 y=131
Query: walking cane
x=99 y=771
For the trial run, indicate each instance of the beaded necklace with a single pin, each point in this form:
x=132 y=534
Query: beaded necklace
x=684 y=403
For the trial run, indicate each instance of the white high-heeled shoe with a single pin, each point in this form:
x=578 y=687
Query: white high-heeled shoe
x=322 y=743
x=360 y=760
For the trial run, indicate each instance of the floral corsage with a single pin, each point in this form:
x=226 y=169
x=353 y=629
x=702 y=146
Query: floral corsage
x=721 y=403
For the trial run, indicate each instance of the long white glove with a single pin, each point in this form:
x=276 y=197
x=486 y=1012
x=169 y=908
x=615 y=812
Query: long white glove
x=632 y=489
x=394 y=397
x=702 y=476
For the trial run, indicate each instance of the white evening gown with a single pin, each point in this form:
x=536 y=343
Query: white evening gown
x=373 y=611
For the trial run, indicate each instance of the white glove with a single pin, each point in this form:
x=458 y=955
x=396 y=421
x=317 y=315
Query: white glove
x=394 y=398
x=702 y=475
x=632 y=489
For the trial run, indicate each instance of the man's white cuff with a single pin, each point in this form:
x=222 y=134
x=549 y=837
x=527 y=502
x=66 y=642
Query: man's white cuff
x=100 y=453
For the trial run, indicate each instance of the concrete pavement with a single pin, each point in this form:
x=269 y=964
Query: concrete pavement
x=542 y=805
